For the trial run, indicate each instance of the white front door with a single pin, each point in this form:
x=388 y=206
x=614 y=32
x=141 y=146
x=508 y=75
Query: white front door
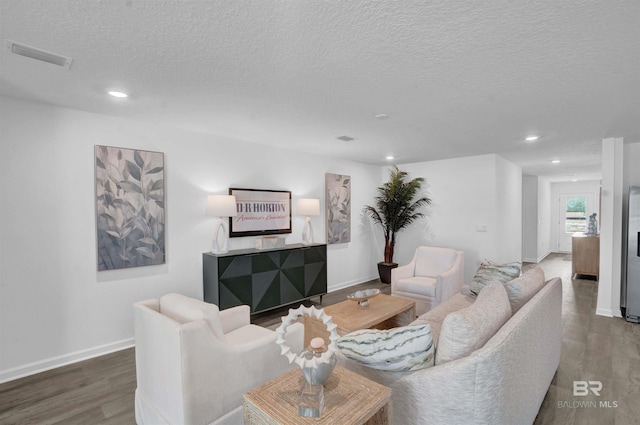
x=573 y=216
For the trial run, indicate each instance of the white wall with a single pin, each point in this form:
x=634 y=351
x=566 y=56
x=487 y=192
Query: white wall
x=469 y=192
x=609 y=284
x=536 y=218
x=54 y=306
x=631 y=170
x=560 y=188
x=507 y=237
x=530 y=218
x=544 y=218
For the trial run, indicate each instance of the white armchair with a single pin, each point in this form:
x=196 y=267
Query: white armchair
x=194 y=362
x=432 y=276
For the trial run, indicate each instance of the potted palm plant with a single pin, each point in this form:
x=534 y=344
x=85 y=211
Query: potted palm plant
x=397 y=205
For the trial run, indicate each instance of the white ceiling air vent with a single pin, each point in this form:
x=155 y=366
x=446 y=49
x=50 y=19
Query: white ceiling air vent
x=37 y=54
x=345 y=138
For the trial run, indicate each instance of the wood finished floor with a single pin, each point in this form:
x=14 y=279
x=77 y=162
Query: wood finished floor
x=100 y=391
x=594 y=348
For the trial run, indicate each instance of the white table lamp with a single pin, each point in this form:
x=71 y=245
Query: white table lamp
x=220 y=206
x=308 y=207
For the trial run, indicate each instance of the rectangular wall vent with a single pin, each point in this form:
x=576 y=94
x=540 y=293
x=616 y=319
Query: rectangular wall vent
x=37 y=54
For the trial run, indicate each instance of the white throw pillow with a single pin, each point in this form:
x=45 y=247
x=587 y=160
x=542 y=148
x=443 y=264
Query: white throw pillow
x=466 y=330
x=491 y=272
x=521 y=289
x=398 y=349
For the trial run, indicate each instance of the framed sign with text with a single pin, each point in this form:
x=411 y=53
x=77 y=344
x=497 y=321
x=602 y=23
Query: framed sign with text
x=260 y=212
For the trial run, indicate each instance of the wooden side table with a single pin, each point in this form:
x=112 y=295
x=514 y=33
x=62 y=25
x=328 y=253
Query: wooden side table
x=348 y=399
x=585 y=252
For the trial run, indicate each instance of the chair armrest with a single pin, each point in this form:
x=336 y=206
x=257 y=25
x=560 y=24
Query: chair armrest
x=219 y=374
x=402 y=272
x=153 y=304
x=450 y=282
x=234 y=318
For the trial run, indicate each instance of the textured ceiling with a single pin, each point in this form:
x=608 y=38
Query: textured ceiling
x=457 y=78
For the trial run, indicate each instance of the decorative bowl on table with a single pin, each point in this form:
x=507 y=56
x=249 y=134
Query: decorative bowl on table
x=363 y=297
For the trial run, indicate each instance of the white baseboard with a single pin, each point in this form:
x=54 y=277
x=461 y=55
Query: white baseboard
x=605 y=312
x=54 y=362
x=351 y=283
x=536 y=260
x=543 y=256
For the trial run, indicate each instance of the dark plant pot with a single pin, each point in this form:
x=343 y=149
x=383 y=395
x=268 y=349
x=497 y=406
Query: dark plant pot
x=384 y=270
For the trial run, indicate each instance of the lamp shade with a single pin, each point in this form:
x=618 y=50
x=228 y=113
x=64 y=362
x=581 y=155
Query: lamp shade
x=308 y=207
x=221 y=206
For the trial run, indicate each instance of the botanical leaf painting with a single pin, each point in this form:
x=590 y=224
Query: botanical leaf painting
x=130 y=215
x=338 y=214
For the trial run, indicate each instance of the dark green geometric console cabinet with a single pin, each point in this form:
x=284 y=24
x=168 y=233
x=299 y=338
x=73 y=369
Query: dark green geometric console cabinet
x=265 y=279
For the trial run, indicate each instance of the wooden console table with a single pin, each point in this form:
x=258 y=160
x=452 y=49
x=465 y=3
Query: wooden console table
x=585 y=255
x=349 y=399
x=265 y=279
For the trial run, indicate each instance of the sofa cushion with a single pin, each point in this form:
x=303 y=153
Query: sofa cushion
x=433 y=261
x=491 y=272
x=417 y=285
x=468 y=329
x=435 y=329
x=435 y=316
x=183 y=309
x=398 y=349
x=521 y=289
x=455 y=303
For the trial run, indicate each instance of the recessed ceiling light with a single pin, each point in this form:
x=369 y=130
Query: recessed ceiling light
x=555 y=161
x=389 y=157
x=381 y=116
x=531 y=138
x=116 y=93
x=574 y=180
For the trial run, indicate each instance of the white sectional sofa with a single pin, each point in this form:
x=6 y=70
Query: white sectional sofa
x=503 y=382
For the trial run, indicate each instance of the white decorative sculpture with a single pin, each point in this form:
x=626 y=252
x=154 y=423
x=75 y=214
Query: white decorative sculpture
x=593 y=225
x=298 y=358
x=316 y=364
